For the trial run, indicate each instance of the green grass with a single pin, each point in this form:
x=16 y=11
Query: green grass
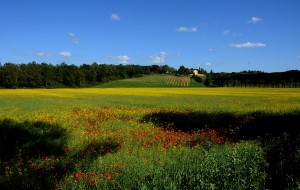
x=151 y=81
x=149 y=138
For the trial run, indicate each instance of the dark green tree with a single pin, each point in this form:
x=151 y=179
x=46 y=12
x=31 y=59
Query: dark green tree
x=182 y=70
x=208 y=80
x=47 y=72
x=90 y=74
x=10 y=75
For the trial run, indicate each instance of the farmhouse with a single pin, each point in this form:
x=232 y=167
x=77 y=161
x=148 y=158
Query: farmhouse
x=196 y=73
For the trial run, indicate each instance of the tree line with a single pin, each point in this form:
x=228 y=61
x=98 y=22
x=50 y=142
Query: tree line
x=245 y=79
x=44 y=75
x=34 y=75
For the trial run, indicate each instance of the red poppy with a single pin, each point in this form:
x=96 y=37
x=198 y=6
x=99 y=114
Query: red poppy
x=77 y=175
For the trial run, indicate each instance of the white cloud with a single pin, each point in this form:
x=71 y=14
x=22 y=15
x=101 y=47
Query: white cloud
x=109 y=57
x=65 y=53
x=122 y=59
x=254 y=20
x=43 y=54
x=74 y=38
x=248 y=45
x=208 y=64
x=115 y=17
x=186 y=29
x=226 y=32
x=163 y=53
x=158 y=58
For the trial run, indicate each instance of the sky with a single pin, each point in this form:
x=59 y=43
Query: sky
x=218 y=35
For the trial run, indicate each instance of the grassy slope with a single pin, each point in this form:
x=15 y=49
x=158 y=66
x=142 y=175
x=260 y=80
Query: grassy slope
x=146 y=82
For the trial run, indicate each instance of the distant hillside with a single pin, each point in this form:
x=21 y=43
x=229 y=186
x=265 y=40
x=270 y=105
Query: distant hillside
x=157 y=80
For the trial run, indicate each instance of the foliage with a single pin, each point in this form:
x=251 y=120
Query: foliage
x=33 y=75
x=258 y=79
x=198 y=78
x=208 y=80
x=183 y=71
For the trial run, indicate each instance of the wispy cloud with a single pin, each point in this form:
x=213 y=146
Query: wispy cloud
x=254 y=20
x=18 y=52
x=211 y=49
x=122 y=59
x=226 y=32
x=186 y=29
x=71 y=34
x=65 y=53
x=248 y=45
x=74 y=38
x=43 y=54
x=208 y=64
x=158 y=58
x=115 y=17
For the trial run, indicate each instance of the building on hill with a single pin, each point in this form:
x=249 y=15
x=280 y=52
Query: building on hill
x=195 y=72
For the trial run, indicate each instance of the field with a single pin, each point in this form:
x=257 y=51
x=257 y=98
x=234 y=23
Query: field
x=150 y=138
x=155 y=80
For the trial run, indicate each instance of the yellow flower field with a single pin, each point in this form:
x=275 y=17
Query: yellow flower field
x=133 y=138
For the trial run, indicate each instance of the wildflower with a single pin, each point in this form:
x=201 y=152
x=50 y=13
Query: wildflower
x=108 y=176
x=31 y=166
x=82 y=173
x=166 y=146
x=5 y=164
x=76 y=175
x=56 y=186
x=92 y=181
x=92 y=173
x=68 y=149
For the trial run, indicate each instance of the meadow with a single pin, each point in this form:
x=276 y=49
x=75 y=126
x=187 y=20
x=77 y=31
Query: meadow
x=153 y=81
x=150 y=138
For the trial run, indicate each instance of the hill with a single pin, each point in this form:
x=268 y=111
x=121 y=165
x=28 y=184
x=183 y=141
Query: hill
x=155 y=80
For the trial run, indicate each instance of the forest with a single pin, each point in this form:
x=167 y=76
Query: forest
x=287 y=79
x=34 y=75
x=44 y=75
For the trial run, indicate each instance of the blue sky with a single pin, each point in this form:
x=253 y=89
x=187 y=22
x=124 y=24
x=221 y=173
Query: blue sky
x=218 y=35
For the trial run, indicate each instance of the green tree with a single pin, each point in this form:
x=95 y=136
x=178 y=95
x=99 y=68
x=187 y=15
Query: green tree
x=10 y=75
x=182 y=70
x=208 y=80
x=47 y=72
x=90 y=74
x=34 y=74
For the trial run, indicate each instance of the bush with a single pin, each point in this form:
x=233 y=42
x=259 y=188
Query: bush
x=198 y=78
